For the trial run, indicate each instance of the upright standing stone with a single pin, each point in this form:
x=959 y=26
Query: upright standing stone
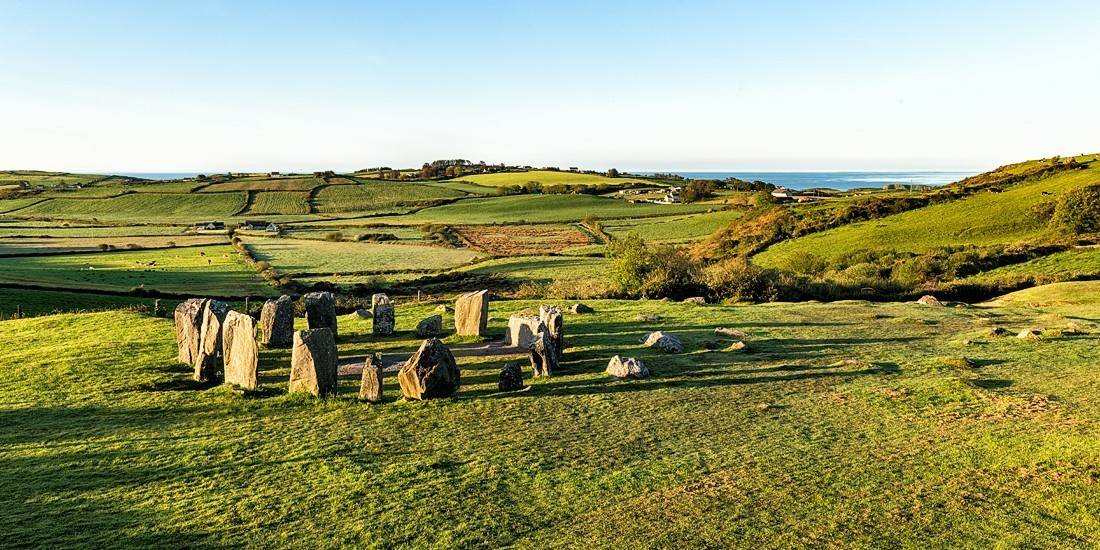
x=208 y=359
x=370 y=389
x=430 y=327
x=321 y=311
x=277 y=322
x=472 y=313
x=431 y=373
x=511 y=378
x=382 y=310
x=188 y=328
x=551 y=317
x=544 y=358
x=313 y=360
x=522 y=330
x=239 y=348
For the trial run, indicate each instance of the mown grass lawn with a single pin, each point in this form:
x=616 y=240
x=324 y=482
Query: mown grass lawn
x=850 y=424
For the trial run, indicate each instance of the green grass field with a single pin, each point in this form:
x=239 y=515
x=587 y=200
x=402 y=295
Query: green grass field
x=36 y=177
x=545 y=177
x=983 y=219
x=378 y=197
x=10 y=205
x=679 y=229
x=543 y=268
x=216 y=270
x=850 y=424
x=53 y=245
x=25 y=229
x=538 y=209
x=264 y=184
x=1070 y=263
x=290 y=256
x=278 y=202
x=141 y=208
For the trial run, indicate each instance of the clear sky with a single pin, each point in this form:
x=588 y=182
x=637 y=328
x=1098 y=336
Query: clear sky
x=210 y=85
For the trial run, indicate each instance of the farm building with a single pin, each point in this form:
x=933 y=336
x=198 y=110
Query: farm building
x=257 y=225
x=782 y=193
x=210 y=226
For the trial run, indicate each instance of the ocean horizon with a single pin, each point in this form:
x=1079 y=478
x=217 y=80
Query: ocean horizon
x=839 y=180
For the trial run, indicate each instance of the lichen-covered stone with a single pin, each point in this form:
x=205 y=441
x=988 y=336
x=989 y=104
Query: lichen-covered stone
x=370 y=388
x=472 y=313
x=430 y=327
x=544 y=358
x=240 y=351
x=321 y=311
x=188 y=316
x=664 y=342
x=208 y=361
x=511 y=378
x=522 y=330
x=552 y=318
x=384 y=319
x=431 y=373
x=277 y=322
x=626 y=368
x=581 y=309
x=313 y=360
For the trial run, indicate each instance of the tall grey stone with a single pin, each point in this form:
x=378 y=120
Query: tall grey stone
x=382 y=311
x=552 y=318
x=522 y=330
x=313 y=360
x=240 y=351
x=544 y=358
x=277 y=322
x=376 y=299
x=321 y=311
x=472 y=313
x=431 y=373
x=188 y=318
x=430 y=327
x=370 y=388
x=208 y=361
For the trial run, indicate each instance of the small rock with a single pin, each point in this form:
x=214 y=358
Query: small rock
x=360 y=314
x=708 y=344
x=626 y=368
x=511 y=378
x=738 y=346
x=969 y=343
x=432 y=326
x=581 y=309
x=649 y=317
x=930 y=300
x=1030 y=334
x=442 y=308
x=697 y=300
x=997 y=331
x=664 y=342
x=729 y=332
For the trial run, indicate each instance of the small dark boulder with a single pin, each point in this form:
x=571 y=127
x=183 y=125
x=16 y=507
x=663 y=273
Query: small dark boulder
x=511 y=378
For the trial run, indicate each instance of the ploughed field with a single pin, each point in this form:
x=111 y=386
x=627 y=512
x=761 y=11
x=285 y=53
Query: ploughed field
x=850 y=423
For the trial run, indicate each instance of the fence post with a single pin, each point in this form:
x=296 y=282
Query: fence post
x=246 y=300
x=19 y=311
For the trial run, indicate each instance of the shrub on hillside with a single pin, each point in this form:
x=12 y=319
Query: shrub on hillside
x=737 y=280
x=641 y=269
x=1078 y=211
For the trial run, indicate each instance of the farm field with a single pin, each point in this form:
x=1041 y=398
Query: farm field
x=215 y=270
x=378 y=197
x=293 y=256
x=21 y=228
x=9 y=205
x=169 y=187
x=538 y=209
x=545 y=177
x=677 y=229
x=983 y=219
x=308 y=231
x=265 y=184
x=44 y=245
x=141 y=208
x=278 y=202
x=918 y=437
x=543 y=268
x=512 y=240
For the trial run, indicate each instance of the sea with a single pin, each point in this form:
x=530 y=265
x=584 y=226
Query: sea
x=841 y=181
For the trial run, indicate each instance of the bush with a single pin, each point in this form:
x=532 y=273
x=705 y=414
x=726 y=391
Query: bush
x=1078 y=210
x=335 y=237
x=640 y=269
x=737 y=280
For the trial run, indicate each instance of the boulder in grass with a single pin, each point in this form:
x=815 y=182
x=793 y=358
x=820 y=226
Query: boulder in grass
x=544 y=357
x=729 y=333
x=708 y=344
x=511 y=378
x=442 y=308
x=1030 y=334
x=697 y=300
x=738 y=347
x=208 y=361
x=930 y=300
x=581 y=309
x=522 y=330
x=188 y=316
x=370 y=388
x=472 y=313
x=431 y=373
x=664 y=342
x=430 y=327
x=277 y=322
x=313 y=360
x=321 y=311
x=360 y=314
x=997 y=331
x=240 y=351
x=649 y=318
x=626 y=368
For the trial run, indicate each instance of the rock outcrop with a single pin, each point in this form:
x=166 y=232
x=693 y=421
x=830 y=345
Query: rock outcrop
x=930 y=300
x=431 y=373
x=472 y=313
x=277 y=322
x=664 y=342
x=240 y=350
x=313 y=360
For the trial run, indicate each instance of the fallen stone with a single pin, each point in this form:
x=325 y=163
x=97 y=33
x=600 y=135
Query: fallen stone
x=929 y=300
x=522 y=330
x=360 y=314
x=240 y=351
x=997 y=331
x=313 y=360
x=544 y=358
x=370 y=388
x=208 y=362
x=511 y=378
x=321 y=311
x=472 y=313
x=649 y=317
x=551 y=317
x=664 y=342
x=738 y=346
x=729 y=333
x=581 y=309
x=188 y=316
x=277 y=322
x=431 y=373
x=708 y=344
x=697 y=300
x=430 y=327
x=626 y=368
x=1030 y=334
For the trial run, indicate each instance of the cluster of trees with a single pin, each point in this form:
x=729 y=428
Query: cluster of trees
x=697 y=190
x=534 y=187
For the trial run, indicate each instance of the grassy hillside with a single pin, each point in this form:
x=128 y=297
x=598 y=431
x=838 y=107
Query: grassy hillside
x=984 y=219
x=852 y=425
x=142 y=208
x=678 y=229
x=278 y=202
x=545 y=177
x=312 y=256
x=378 y=197
x=539 y=209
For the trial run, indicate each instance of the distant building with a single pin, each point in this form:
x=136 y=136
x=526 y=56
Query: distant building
x=574 y=169
x=782 y=193
x=271 y=228
x=210 y=226
x=254 y=224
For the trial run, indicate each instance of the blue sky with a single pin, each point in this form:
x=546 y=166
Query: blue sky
x=218 y=85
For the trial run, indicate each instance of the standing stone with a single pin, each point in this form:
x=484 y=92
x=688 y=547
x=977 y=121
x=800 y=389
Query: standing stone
x=277 y=322
x=544 y=358
x=472 y=313
x=626 y=368
x=208 y=360
x=430 y=327
x=431 y=373
x=320 y=311
x=188 y=327
x=239 y=348
x=382 y=310
x=511 y=378
x=313 y=360
x=370 y=389
x=551 y=317
x=522 y=330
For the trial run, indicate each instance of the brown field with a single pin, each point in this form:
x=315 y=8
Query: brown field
x=523 y=239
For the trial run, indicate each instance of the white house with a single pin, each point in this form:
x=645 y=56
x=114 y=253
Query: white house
x=782 y=193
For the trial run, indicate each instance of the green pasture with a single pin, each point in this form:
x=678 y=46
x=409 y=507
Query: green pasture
x=545 y=177
x=289 y=256
x=378 y=197
x=676 y=229
x=142 y=208
x=53 y=245
x=538 y=209
x=264 y=184
x=278 y=202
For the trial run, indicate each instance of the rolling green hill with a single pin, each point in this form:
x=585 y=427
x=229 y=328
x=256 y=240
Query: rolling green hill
x=545 y=177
